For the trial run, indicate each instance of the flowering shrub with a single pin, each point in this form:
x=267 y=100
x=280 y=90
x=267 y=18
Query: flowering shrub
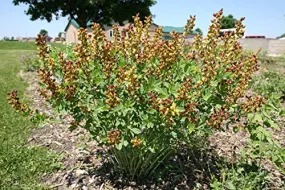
x=142 y=96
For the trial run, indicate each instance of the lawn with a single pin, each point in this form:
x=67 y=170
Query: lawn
x=16 y=45
x=20 y=165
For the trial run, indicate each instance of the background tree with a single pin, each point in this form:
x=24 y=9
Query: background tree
x=59 y=34
x=198 y=31
x=281 y=36
x=228 y=22
x=43 y=32
x=83 y=11
x=5 y=38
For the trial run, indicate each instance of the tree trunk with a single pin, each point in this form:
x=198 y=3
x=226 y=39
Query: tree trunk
x=82 y=23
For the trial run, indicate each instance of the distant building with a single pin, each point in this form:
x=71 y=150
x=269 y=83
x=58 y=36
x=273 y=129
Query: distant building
x=19 y=38
x=224 y=31
x=57 y=39
x=167 y=29
x=71 y=31
x=254 y=36
x=29 y=39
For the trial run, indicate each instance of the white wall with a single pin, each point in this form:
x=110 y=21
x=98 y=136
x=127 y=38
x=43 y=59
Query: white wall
x=71 y=34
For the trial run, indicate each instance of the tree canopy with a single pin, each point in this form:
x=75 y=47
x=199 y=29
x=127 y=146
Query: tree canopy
x=281 y=36
x=198 y=31
x=83 y=11
x=228 y=22
x=43 y=32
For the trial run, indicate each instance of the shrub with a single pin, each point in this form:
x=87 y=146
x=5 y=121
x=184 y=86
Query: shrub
x=143 y=97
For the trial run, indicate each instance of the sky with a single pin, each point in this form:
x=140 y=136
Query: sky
x=263 y=17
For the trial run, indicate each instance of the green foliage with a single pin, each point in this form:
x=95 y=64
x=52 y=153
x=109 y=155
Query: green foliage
x=198 y=31
x=267 y=59
x=21 y=166
x=241 y=177
x=273 y=64
x=272 y=85
x=271 y=153
x=43 y=32
x=84 y=11
x=228 y=22
x=5 y=38
x=281 y=36
x=269 y=83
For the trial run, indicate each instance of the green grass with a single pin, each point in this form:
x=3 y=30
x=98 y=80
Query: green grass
x=16 y=45
x=21 y=165
x=269 y=83
x=276 y=64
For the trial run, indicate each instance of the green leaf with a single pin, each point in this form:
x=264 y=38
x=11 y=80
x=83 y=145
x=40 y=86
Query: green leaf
x=258 y=117
x=265 y=114
x=150 y=125
x=250 y=116
x=151 y=149
x=135 y=130
x=125 y=142
x=240 y=170
x=174 y=135
x=207 y=96
x=218 y=106
x=119 y=146
x=166 y=84
x=282 y=113
x=266 y=123
x=191 y=128
x=162 y=92
x=227 y=75
x=180 y=109
x=273 y=106
x=274 y=125
x=173 y=88
x=230 y=186
x=215 y=83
